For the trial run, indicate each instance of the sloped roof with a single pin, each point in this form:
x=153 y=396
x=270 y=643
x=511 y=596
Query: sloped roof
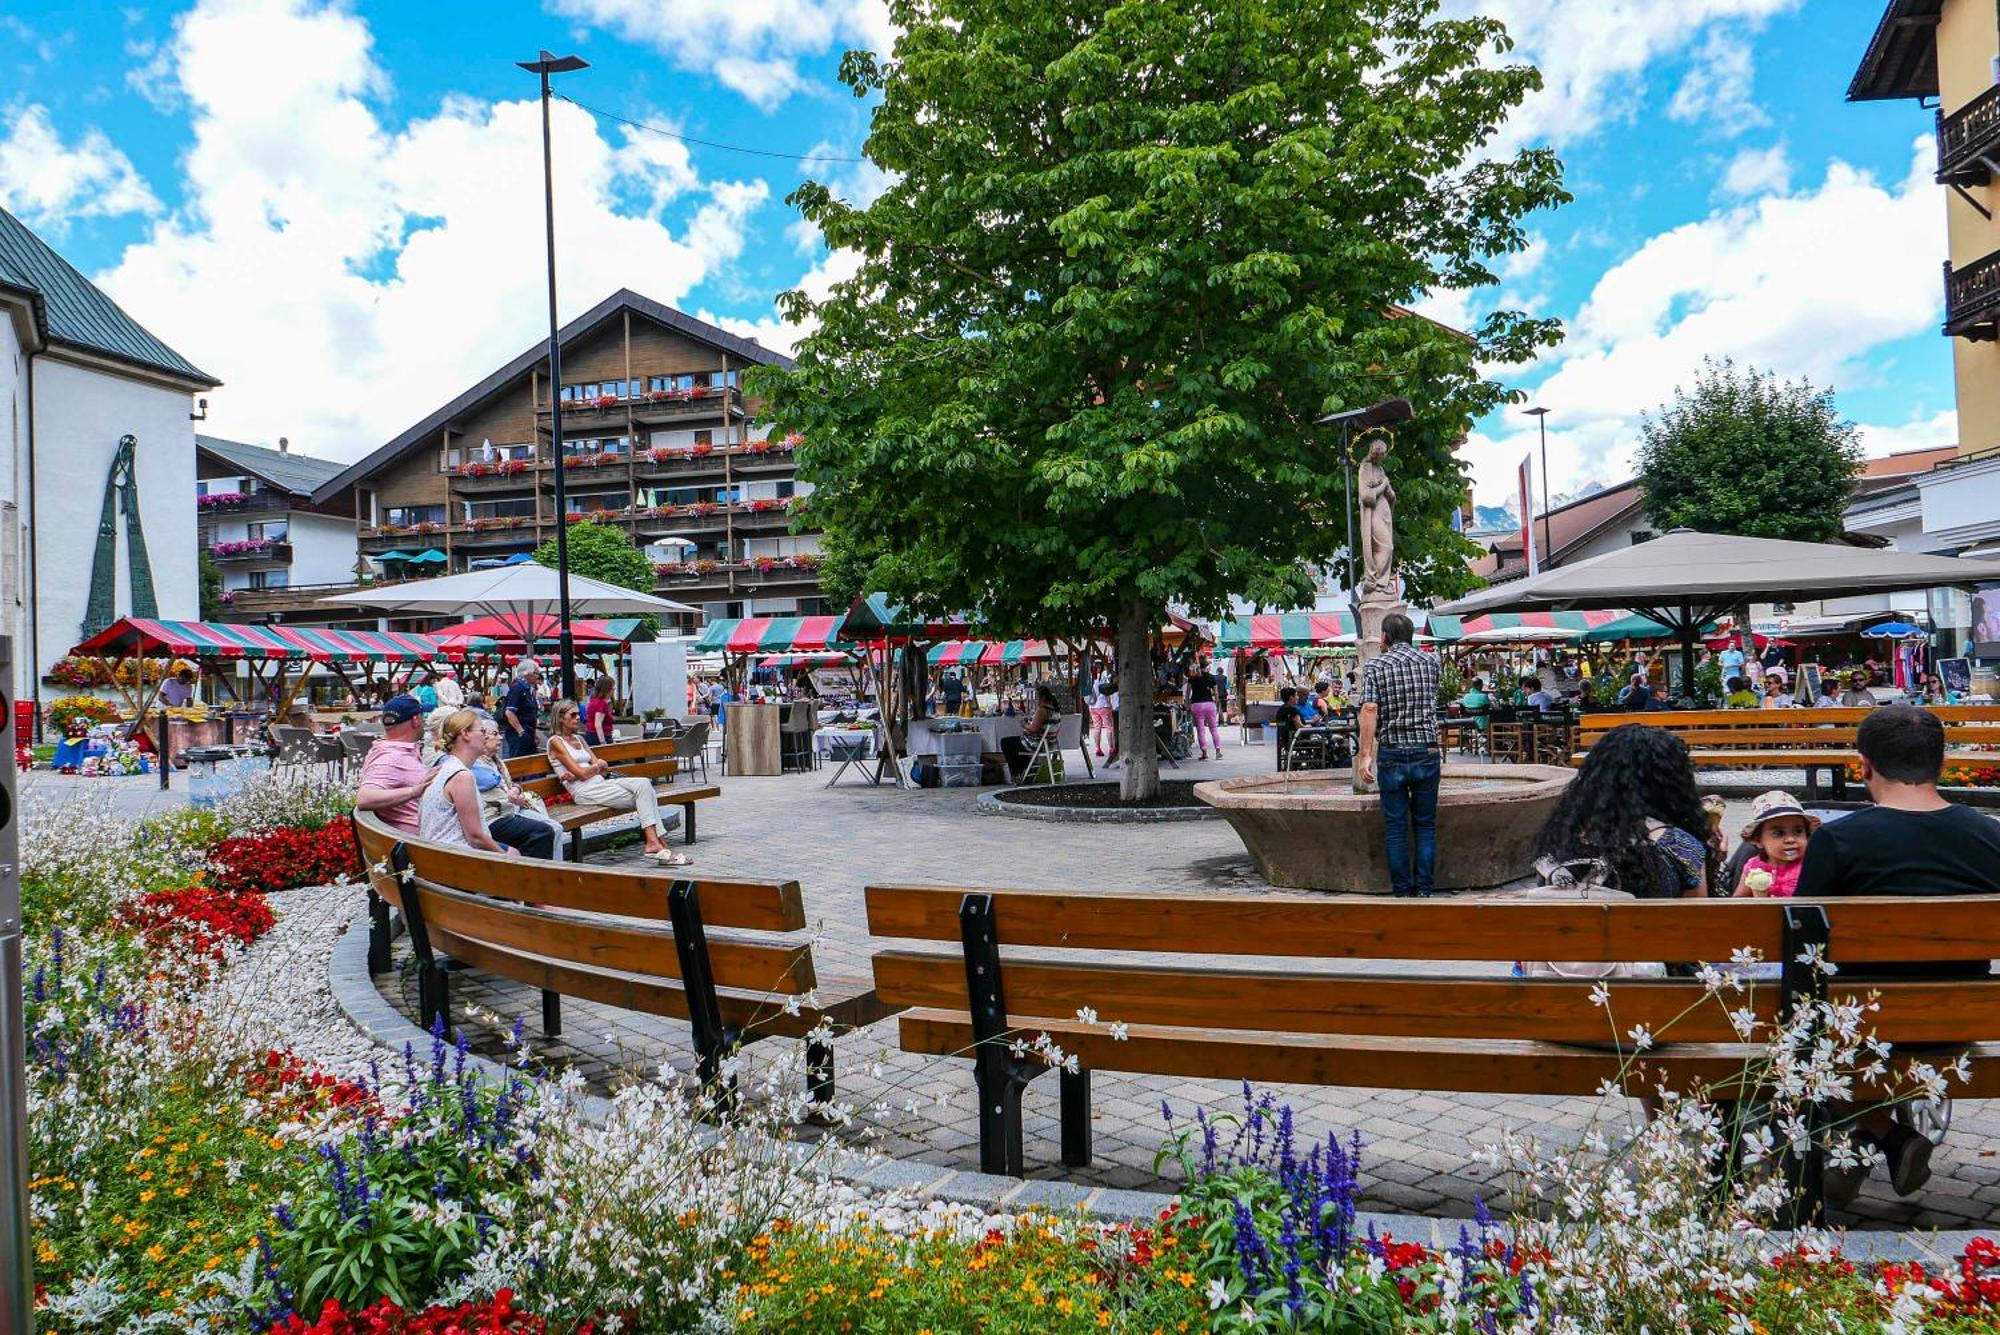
x=73 y=312
x=623 y=299
x=296 y=474
x=1901 y=59
x=1570 y=526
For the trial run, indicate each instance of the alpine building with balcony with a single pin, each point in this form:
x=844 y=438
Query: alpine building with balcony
x=658 y=439
x=256 y=519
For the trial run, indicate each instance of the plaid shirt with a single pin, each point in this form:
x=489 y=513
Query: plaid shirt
x=1403 y=685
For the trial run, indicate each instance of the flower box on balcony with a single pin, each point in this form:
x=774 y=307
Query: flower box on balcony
x=426 y=527
x=243 y=548
x=706 y=567
x=703 y=509
x=759 y=447
x=219 y=500
x=514 y=467
x=474 y=469
x=605 y=401
x=701 y=449
x=670 y=569
x=765 y=505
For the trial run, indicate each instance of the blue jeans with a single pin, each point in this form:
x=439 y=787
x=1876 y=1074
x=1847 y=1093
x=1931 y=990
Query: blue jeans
x=1409 y=782
x=515 y=744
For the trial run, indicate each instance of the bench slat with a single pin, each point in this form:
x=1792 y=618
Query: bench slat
x=759 y=906
x=1731 y=718
x=1372 y=1062
x=1305 y=1003
x=1547 y=1010
x=744 y=965
x=1479 y=929
x=636 y=992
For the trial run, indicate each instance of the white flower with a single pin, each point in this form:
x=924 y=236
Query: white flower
x=1119 y=1032
x=1218 y=1294
x=1641 y=1037
x=1086 y=1015
x=1600 y=995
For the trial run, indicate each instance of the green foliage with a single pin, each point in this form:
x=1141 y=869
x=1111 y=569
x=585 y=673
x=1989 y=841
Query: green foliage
x=1131 y=254
x=604 y=552
x=1743 y=452
x=209 y=576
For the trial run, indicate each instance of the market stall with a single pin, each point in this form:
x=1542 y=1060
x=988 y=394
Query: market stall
x=279 y=659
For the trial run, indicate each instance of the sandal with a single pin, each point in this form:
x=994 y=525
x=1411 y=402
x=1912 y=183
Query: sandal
x=668 y=857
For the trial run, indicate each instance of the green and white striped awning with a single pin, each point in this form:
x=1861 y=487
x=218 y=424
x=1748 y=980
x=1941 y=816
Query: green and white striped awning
x=221 y=639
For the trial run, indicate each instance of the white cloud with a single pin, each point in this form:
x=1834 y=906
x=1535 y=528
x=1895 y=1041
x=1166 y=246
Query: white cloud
x=1594 y=54
x=1807 y=284
x=47 y=182
x=1921 y=432
x=345 y=278
x=1757 y=171
x=782 y=335
x=1715 y=91
x=752 y=46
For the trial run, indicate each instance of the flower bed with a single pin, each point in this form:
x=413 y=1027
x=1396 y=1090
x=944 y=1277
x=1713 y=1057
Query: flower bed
x=214 y=1151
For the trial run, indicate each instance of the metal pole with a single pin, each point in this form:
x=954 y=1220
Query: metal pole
x=1347 y=506
x=17 y=1268
x=1548 y=492
x=564 y=639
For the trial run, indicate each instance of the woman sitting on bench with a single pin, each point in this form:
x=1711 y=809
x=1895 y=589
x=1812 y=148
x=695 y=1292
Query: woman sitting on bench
x=590 y=780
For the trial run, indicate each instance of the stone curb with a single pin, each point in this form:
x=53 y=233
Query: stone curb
x=991 y=805
x=367 y=1010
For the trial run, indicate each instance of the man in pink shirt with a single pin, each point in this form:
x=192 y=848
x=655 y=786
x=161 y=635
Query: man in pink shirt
x=394 y=775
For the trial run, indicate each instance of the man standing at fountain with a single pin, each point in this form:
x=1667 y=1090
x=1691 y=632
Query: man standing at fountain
x=1399 y=751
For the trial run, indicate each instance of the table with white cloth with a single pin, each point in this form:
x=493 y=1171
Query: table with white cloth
x=990 y=727
x=858 y=746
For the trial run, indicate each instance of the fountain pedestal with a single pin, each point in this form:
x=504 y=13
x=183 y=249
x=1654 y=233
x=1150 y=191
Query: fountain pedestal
x=1309 y=830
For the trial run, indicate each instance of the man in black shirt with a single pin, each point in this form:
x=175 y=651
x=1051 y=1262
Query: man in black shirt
x=1287 y=723
x=1911 y=842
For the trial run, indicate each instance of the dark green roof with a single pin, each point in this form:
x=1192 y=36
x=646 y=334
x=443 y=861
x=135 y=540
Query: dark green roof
x=293 y=473
x=72 y=311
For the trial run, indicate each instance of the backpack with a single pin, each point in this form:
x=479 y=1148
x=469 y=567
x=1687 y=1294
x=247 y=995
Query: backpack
x=1581 y=880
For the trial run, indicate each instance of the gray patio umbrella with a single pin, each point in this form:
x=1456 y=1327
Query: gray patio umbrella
x=519 y=595
x=1685 y=579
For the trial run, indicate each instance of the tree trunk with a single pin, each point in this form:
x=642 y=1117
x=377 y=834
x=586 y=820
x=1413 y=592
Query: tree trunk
x=1139 y=775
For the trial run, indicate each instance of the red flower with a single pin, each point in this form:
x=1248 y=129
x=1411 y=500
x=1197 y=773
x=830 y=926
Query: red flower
x=496 y=1316
x=285 y=859
x=198 y=918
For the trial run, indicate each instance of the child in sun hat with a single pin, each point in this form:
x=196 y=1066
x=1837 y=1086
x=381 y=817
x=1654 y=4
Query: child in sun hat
x=1780 y=828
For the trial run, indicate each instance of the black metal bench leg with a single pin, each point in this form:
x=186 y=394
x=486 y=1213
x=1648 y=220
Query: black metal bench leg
x=688 y=820
x=1000 y=1151
x=819 y=1072
x=576 y=844
x=1075 y=1095
x=1840 y=782
x=378 y=934
x=551 y=1013
x=434 y=995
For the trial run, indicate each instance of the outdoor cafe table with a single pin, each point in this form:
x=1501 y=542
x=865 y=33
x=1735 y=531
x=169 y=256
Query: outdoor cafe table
x=991 y=729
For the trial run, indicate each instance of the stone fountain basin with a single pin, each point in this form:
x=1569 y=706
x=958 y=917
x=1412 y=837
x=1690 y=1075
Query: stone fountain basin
x=1310 y=830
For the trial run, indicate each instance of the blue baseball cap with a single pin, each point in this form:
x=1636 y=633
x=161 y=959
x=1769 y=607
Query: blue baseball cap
x=401 y=709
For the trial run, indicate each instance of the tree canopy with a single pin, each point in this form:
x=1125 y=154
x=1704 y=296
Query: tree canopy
x=1743 y=452
x=600 y=551
x=1128 y=256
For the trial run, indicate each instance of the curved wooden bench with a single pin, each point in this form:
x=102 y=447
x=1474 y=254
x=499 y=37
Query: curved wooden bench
x=652 y=758
x=1808 y=739
x=1265 y=1022
x=638 y=940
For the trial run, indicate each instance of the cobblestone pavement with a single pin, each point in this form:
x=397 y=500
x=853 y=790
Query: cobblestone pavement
x=1418 y=1146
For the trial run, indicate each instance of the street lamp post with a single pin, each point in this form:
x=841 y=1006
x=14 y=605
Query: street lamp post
x=545 y=66
x=1541 y=416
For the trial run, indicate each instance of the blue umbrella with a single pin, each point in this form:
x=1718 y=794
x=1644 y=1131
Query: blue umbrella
x=1893 y=630
x=519 y=559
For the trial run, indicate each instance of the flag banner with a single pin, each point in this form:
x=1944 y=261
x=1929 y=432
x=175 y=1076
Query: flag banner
x=1528 y=515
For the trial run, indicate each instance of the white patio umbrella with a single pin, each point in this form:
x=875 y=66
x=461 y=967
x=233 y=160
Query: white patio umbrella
x=517 y=595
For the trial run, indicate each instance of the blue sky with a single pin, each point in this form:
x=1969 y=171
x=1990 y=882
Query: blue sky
x=334 y=207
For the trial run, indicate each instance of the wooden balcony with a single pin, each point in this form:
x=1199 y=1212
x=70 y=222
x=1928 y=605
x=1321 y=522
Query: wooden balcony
x=1968 y=141
x=1972 y=299
x=251 y=553
x=671 y=406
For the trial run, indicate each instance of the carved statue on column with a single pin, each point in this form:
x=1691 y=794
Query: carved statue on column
x=1378 y=532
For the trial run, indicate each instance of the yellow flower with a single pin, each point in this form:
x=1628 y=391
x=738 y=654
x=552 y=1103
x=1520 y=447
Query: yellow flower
x=212 y=1263
x=147 y=1195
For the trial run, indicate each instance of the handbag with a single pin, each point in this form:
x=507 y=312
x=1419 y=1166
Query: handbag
x=1579 y=881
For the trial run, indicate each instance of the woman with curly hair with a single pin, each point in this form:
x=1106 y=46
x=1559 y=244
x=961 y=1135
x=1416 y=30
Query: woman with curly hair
x=1633 y=806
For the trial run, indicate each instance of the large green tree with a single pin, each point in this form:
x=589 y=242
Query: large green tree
x=600 y=551
x=1743 y=452
x=1130 y=254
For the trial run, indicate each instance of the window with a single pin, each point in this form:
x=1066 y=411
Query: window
x=520 y=507
x=722 y=379
x=402 y=516
x=269 y=531
x=1640 y=535
x=270 y=579
x=785 y=489
x=602 y=503
x=705 y=436
x=201 y=489
x=450 y=457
